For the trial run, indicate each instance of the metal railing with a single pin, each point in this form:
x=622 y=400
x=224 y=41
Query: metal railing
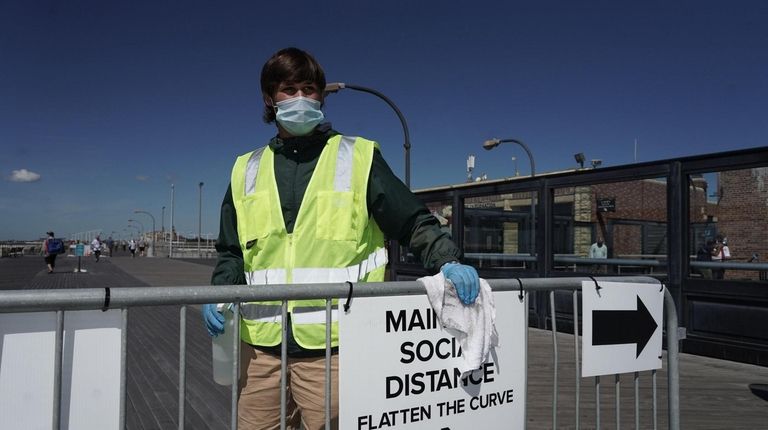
x=15 y=301
x=574 y=263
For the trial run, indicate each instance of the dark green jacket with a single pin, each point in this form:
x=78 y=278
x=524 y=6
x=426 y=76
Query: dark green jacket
x=397 y=211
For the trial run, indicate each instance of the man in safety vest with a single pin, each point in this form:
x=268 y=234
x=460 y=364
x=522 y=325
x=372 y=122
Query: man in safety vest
x=312 y=206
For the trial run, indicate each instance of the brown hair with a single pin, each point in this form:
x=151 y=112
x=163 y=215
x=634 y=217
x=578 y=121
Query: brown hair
x=288 y=65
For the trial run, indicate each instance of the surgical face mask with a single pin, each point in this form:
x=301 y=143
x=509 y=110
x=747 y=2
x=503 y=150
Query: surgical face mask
x=299 y=115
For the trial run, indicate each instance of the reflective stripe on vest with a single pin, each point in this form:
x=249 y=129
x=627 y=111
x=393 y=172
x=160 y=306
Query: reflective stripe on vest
x=320 y=275
x=344 y=164
x=272 y=313
x=342 y=177
x=252 y=170
x=266 y=277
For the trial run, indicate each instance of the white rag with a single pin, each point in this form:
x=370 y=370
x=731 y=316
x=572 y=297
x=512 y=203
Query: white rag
x=473 y=326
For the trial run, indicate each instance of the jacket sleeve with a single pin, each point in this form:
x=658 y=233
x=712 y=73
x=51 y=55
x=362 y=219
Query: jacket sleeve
x=229 y=266
x=402 y=216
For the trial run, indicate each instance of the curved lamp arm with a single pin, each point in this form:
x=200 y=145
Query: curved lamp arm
x=492 y=143
x=335 y=87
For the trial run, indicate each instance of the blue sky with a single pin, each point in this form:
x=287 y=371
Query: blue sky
x=110 y=102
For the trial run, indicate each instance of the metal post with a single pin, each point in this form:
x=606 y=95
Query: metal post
x=182 y=364
x=554 y=357
x=673 y=375
x=200 y=220
x=170 y=243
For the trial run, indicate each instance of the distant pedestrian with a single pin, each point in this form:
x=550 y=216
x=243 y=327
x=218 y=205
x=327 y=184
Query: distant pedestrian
x=132 y=248
x=599 y=250
x=110 y=245
x=50 y=257
x=142 y=247
x=96 y=247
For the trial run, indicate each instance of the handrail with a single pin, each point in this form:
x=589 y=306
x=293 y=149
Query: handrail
x=94 y=298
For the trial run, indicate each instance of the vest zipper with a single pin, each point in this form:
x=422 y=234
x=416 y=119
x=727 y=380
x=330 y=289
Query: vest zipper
x=289 y=258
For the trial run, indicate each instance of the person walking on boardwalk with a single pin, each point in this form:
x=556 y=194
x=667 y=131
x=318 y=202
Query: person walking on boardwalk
x=312 y=206
x=48 y=253
x=110 y=245
x=96 y=247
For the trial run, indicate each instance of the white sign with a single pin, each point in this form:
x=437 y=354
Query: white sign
x=398 y=368
x=90 y=378
x=622 y=327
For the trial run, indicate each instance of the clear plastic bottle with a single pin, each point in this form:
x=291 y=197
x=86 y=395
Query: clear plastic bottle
x=222 y=353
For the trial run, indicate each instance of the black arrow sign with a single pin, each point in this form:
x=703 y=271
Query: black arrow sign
x=618 y=327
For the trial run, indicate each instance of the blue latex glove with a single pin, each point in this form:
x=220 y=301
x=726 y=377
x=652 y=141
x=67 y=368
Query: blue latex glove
x=213 y=319
x=464 y=278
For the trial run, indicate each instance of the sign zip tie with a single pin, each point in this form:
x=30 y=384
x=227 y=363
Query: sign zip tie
x=347 y=305
x=597 y=286
x=521 y=296
x=106 y=300
x=662 y=286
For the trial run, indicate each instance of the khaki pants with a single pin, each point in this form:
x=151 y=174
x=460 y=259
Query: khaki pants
x=259 y=397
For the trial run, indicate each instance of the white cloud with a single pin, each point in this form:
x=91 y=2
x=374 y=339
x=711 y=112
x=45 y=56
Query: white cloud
x=24 y=175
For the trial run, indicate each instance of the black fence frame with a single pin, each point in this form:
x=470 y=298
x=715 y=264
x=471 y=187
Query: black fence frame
x=699 y=302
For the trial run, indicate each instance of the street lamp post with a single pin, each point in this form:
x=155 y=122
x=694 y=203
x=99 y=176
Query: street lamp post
x=492 y=143
x=337 y=86
x=200 y=220
x=151 y=252
x=170 y=244
x=162 y=222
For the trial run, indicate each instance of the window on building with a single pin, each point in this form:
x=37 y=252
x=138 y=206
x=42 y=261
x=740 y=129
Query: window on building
x=499 y=230
x=728 y=231
x=611 y=228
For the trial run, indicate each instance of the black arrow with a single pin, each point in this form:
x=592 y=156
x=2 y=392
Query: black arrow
x=618 y=327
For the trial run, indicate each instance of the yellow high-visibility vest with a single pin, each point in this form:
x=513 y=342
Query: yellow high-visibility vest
x=334 y=238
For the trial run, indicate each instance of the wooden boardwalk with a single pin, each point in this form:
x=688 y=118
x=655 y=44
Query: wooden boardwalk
x=714 y=393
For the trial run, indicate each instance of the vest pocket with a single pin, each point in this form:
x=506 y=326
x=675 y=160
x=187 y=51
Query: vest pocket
x=336 y=215
x=255 y=221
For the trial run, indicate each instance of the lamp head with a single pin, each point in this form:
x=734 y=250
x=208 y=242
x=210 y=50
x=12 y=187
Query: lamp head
x=580 y=159
x=334 y=87
x=491 y=143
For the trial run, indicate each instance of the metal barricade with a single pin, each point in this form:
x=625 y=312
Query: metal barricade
x=125 y=298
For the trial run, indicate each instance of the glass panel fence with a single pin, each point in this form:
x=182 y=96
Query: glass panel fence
x=728 y=225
